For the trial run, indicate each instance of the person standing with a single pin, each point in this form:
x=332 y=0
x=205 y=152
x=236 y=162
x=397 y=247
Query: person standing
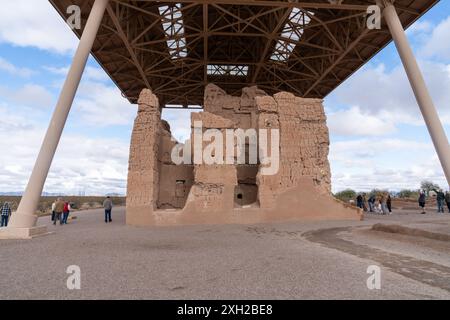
x=107 y=205
x=389 y=203
x=447 y=200
x=372 y=203
x=364 y=202
x=59 y=209
x=383 y=201
x=6 y=213
x=359 y=201
x=53 y=210
x=440 y=198
x=378 y=207
x=422 y=201
x=66 y=212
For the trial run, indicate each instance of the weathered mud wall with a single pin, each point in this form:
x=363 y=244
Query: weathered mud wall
x=232 y=193
x=143 y=175
x=304 y=144
x=143 y=170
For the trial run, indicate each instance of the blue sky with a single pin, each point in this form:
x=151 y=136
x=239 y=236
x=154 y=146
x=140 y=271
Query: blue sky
x=378 y=136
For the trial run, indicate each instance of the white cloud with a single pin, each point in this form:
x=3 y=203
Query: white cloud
x=11 y=121
x=90 y=73
x=420 y=27
x=12 y=69
x=103 y=105
x=354 y=122
x=365 y=164
x=60 y=71
x=95 y=74
x=388 y=95
x=98 y=102
x=31 y=95
x=180 y=123
x=35 y=23
x=437 y=43
x=370 y=147
x=95 y=165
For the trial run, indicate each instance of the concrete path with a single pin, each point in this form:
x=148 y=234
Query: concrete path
x=320 y=260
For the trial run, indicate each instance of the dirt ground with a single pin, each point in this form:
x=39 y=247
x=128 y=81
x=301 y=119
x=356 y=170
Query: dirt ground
x=295 y=260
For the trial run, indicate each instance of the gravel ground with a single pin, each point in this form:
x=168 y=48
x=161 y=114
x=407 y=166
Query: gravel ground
x=271 y=261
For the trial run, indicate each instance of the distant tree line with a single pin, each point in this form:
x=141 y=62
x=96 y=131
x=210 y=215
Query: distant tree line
x=427 y=186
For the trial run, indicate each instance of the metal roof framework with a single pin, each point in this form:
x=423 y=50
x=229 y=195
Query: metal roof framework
x=173 y=46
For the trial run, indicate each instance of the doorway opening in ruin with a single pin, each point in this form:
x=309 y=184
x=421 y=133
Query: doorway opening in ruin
x=246 y=192
x=175 y=181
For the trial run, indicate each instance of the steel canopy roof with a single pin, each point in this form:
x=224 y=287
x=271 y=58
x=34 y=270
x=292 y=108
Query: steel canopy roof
x=177 y=47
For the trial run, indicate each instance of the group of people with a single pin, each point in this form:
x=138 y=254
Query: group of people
x=441 y=199
x=380 y=203
x=60 y=211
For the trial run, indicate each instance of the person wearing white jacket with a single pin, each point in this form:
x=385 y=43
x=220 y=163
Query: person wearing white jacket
x=53 y=210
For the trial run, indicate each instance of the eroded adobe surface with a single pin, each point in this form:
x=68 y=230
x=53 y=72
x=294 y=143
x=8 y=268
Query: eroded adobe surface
x=161 y=192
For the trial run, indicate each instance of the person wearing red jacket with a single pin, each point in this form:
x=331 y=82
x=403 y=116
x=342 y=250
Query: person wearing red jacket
x=66 y=212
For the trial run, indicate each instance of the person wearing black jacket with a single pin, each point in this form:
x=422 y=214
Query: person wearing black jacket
x=359 y=201
x=371 y=202
x=447 y=200
x=422 y=199
x=440 y=199
x=389 y=203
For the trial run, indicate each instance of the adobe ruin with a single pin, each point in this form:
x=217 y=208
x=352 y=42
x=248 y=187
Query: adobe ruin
x=161 y=192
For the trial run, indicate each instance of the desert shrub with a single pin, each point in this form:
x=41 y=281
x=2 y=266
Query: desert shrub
x=377 y=193
x=407 y=194
x=346 y=195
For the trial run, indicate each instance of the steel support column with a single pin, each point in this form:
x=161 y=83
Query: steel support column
x=419 y=87
x=25 y=217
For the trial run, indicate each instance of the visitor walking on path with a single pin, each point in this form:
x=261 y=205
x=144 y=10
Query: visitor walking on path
x=107 y=204
x=6 y=213
x=59 y=209
x=422 y=201
x=389 y=203
x=447 y=200
x=359 y=201
x=372 y=203
x=383 y=201
x=364 y=202
x=53 y=210
x=66 y=212
x=378 y=206
x=440 y=199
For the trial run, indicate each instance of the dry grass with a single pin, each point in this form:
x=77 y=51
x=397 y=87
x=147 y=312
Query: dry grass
x=78 y=203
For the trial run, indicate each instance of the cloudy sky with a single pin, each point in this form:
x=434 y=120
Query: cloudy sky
x=378 y=136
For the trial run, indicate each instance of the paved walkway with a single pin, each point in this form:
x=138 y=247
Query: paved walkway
x=276 y=261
